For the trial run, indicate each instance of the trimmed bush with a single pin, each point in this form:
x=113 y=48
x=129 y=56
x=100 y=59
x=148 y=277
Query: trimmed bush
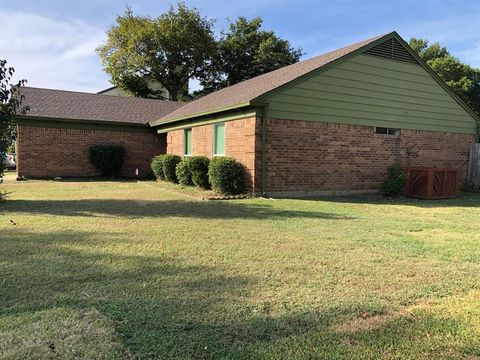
x=170 y=163
x=226 y=175
x=199 y=169
x=108 y=159
x=157 y=167
x=394 y=184
x=184 y=176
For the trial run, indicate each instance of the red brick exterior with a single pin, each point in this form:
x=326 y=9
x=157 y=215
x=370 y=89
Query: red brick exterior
x=301 y=156
x=50 y=151
x=308 y=156
x=242 y=141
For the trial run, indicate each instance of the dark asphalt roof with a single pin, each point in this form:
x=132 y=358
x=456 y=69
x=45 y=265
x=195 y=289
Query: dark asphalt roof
x=72 y=105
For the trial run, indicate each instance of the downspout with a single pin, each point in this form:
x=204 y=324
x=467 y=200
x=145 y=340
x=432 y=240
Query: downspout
x=264 y=150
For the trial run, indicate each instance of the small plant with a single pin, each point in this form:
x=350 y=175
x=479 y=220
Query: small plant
x=108 y=159
x=226 y=175
x=157 y=167
x=199 y=169
x=170 y=163
x=394 y=184
x=11 y=149
x=184 y=176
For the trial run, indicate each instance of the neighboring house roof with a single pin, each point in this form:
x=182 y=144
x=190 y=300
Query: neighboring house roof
x=107 y=89
x=71 y=105
x=241 y=94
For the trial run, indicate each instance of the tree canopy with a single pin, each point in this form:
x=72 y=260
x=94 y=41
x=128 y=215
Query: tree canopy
x=180 y=45
x=170 y=50
x=462 y=78
x=246 y=51
x=10 y=106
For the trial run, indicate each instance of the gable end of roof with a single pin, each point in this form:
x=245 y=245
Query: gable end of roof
x=255 y=91
x=252 y=91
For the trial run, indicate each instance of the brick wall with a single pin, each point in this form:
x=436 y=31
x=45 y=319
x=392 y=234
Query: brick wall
x=307 y=156
x=242 y=141
x=302 y=156
x=50 y=152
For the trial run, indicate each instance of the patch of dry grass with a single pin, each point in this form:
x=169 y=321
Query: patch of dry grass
x=60 y=333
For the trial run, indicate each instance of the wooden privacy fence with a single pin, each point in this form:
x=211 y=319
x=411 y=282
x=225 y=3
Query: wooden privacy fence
x=474 y=166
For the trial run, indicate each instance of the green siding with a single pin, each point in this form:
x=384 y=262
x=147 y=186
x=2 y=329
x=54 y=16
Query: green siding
x=373 y=91
x=219 y=139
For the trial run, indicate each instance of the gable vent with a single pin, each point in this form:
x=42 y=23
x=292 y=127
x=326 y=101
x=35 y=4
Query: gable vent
x=391 y=49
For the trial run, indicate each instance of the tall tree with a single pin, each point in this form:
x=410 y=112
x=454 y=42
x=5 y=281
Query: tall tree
x=246 y=51
x=462 y=78
x=10 y=106
x=170 y=50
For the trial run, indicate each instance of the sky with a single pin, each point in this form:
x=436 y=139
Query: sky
x=51 y=43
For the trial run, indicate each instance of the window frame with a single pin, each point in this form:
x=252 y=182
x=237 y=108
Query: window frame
x=390 y=132
x=214 y=129
x=185 y=144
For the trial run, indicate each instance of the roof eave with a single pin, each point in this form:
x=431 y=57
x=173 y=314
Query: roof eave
x=83 y=121
x=204 y=113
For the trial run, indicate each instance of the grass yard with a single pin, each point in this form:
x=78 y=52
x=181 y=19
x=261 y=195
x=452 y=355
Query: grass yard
x=112 y=270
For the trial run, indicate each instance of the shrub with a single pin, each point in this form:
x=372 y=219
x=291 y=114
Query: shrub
x=170 y=163
x=199 y=169
x=11 y=149
x=394 y=184
x=108 y=159
x=157 y=167
x=226 y=175
x=184 y=176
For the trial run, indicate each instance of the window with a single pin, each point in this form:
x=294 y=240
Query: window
x=387 y=131
x=187 y=142
x=219 y=139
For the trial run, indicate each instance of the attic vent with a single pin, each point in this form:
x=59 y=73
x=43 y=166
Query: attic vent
x=391 y=49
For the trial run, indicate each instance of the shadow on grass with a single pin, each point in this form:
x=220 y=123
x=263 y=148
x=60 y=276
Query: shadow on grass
x=163 y=208
x=160 y=306
x=89 y=179
x=464 y=200
x=174 y=308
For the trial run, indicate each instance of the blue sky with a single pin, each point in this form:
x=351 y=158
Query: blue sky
x=51 y=42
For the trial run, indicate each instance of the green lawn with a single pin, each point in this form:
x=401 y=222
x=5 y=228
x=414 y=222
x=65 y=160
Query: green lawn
x=127 y=270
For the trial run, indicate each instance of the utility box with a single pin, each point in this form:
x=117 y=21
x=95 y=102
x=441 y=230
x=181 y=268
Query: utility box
x=432 y=183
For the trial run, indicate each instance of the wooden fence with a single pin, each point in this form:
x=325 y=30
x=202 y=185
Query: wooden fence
x=432 y=183
x=474 y=166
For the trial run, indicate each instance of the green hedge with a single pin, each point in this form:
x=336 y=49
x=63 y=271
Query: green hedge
x=157 y=167
x=170 y=163
x=108 y=159
x=394 y=184
x=226 y=175
x=199 y=170
x=184 y=176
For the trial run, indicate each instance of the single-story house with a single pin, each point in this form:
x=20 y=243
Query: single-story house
x=54 y=137
x=330 y=123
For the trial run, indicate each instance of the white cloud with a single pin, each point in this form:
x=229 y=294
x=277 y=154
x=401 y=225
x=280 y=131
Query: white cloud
x=52 y=53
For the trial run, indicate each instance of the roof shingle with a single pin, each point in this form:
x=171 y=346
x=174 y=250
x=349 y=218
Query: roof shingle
x=248 y=90
x=60 y=104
